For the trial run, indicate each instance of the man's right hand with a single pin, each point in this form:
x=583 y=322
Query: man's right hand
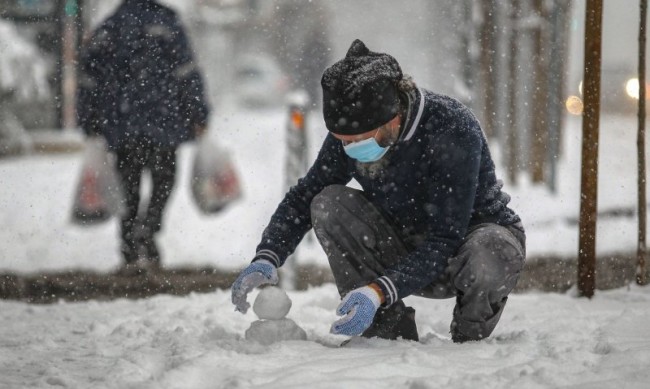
x=255 y=275
x=358 y=309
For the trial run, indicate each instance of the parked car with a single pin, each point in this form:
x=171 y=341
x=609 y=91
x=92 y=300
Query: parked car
x=619 y=92
x=259 y=82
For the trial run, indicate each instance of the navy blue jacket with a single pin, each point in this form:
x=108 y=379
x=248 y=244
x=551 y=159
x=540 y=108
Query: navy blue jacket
x=138 y=77
x=439 y=182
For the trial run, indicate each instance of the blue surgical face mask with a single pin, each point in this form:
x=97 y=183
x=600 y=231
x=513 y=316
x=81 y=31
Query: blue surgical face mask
x=367 y=150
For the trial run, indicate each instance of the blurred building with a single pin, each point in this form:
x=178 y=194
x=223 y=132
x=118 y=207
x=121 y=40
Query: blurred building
x=254 y=51
x=277 y=44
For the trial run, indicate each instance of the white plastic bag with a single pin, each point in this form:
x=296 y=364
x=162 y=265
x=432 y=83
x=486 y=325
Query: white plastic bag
x=215 y=182
x=99 y=193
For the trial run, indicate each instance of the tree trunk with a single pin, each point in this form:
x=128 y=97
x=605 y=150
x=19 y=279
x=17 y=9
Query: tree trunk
x=487 y=42
x=590 y=123
x=513 y=160
x=540 y=98
x=557 y=70
x=640 y=143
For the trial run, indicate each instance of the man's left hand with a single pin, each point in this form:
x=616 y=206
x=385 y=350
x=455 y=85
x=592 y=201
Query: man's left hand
x=358 y=309
x=256 y=274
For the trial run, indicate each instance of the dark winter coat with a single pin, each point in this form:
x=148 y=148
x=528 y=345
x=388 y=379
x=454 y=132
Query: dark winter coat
x=437 y=182
x=138 y=78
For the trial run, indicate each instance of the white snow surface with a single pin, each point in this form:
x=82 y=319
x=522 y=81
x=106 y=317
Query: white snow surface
x=542 y=341
x=197 y=341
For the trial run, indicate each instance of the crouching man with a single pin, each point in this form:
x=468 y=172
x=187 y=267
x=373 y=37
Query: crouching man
x=431 y=219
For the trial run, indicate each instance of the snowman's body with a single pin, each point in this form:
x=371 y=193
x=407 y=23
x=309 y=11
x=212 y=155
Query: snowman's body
x=271 y=306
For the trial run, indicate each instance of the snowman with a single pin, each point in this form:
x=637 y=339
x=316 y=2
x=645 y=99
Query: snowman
x=271 y=307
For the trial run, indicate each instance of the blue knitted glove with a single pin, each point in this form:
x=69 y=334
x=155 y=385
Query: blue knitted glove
x=256 y=274
x=359 y=307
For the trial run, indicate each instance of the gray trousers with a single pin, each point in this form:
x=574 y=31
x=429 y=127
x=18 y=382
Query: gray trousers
x=360 y=244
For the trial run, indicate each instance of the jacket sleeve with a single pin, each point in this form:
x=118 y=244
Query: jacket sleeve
x=93 y=72
x=451 y=192
x=292 y=218
x=193 y=103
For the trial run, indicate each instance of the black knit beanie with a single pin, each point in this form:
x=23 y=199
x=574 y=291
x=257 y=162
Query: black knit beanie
x=359 y=91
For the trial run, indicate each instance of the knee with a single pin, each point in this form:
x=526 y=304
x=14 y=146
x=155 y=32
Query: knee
x=491 y=261
x=323 y=205
x=478 y=276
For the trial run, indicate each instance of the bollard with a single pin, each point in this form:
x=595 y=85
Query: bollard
x=296 y=165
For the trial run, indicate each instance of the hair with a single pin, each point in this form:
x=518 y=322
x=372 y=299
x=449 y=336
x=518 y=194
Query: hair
x=406 y=85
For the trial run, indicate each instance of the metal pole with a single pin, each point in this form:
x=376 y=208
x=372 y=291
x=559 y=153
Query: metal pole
x=295 y=166
x=590 y=124
x=69 y=70
x=555 y=103
x=486 y=66
x=640 y=143
x=59 y=65
x=469 y=51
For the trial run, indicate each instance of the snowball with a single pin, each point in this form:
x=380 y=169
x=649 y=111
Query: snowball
x=267 y=332
x=272 y=303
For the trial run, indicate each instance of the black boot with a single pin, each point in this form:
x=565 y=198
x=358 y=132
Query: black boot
x=148 y=229
x=151 y=250
x=129 y=242
x=396 y=321
x=148 y=249
x=132 y=263
x=129 y=252
x=140 y=253
x=463 y=330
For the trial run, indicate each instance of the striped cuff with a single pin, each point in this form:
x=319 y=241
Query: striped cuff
x=389 y=290
x=269 y=256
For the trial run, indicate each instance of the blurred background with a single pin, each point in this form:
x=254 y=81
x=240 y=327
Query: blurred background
x=516 y=63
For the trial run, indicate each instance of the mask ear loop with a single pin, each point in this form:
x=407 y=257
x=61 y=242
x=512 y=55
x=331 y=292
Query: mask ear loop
x=382 y=128
x=377 y=132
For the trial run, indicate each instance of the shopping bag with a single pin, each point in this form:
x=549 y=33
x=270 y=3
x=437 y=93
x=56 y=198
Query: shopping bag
x=98 y=195
x=215 y=182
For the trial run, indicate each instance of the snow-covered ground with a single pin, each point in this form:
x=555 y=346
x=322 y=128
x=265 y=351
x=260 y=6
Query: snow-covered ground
x=197 y=341
x=543 y=341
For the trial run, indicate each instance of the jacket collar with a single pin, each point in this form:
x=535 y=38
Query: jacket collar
x=413 y=113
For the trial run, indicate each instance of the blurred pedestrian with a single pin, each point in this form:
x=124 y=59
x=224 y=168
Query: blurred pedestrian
x=431 y=219
x=140 y=88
